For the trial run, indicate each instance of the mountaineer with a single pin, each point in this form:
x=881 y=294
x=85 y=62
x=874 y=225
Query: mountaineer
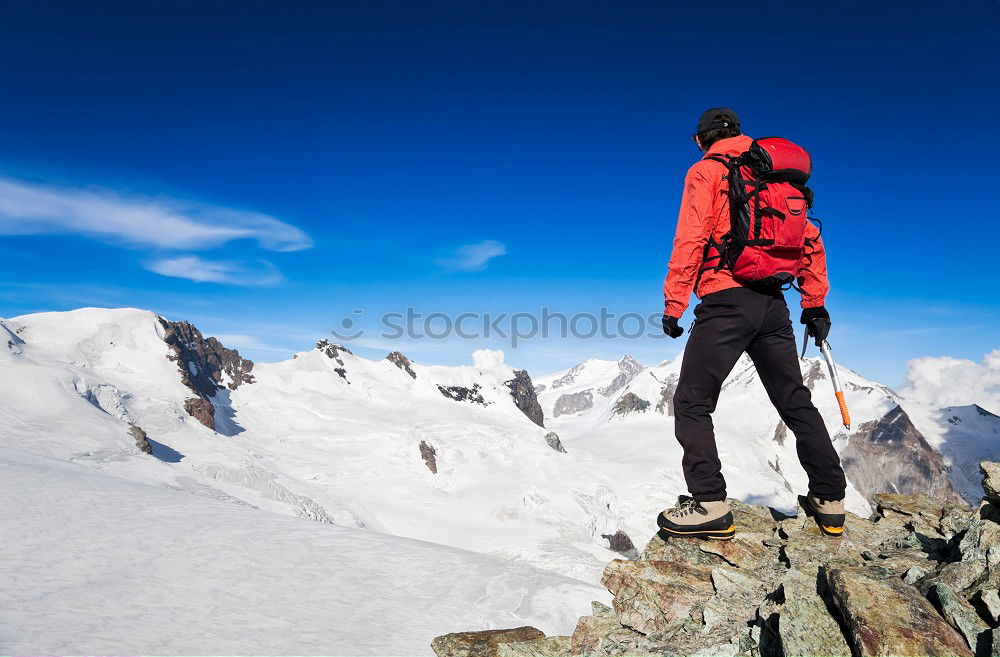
x=742 y=235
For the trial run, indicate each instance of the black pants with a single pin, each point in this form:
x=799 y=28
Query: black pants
x=727 y=324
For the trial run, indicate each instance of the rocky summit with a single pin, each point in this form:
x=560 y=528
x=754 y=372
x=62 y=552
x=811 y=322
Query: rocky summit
x=919 y=577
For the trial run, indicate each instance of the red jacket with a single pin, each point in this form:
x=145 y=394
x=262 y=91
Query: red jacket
x=704 y=213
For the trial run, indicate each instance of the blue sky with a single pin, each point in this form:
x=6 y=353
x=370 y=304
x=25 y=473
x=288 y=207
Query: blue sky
x=263 y=170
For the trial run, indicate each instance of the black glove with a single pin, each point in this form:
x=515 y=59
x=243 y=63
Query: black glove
x=670 y=326
x=817 y=322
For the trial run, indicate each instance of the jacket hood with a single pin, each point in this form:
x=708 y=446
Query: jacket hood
x=730 y=146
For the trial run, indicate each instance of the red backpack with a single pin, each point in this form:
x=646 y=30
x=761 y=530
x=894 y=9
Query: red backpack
x=768 y=205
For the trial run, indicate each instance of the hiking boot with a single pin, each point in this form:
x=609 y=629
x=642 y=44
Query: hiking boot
x=694 y=519
x=829 y=514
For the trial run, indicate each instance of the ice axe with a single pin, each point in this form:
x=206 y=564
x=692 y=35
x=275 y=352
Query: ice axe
x=838 y=390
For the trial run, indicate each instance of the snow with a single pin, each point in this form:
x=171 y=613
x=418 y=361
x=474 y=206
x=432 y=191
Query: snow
x=103 y=565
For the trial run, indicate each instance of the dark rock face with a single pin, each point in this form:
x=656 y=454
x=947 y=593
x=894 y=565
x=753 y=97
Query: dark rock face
x=665 y=405
x=621 y=543
x=141 y=439
x=333 y=351
x=920 y=577
x=462 y=393
x=402 y=362
x=780 y=433
x=482 y=644
x=429 y=455
x=202 y=410
x=552 y=439
x=891 y=454
x=628 y=369
x=629 y=403
x=573 y=403
x=204 y=362
x=523 y=392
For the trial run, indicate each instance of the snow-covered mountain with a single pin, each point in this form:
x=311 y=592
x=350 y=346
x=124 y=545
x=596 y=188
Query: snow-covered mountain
x=126 y=423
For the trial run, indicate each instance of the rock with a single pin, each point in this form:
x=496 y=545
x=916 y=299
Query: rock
x=678 y=549
x=553 y=646
x=602 y=634
x=958 y=613
x=922 y=512
x=481 y=644
x=805 y=625
x=429 y=454
x=402 y=362
x=991 y=480
x=141 y=439
x=737 y=595
x=552 y=438
x=628 y=369
x=745 y=551
x=462 y=393
x=888 y=617
x=205 y=364
x=567 y=404
x=202 y=410
x=621 y=543
x=989 y=601
x=525 y=398
x=891 y=454
x=780 y=433
x=333 y=351
x=629 y=403
x=913 y=575
x=650 y=595
x=665 y=405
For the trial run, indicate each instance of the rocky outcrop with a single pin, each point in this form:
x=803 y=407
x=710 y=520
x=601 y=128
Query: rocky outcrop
x=525 y=398
x=890 y=454
x=576 y=402
x=629 y=403
x=202 y=410
x=429 y=455
x=402 y=362
x=462 y=393
x=991 y=481
x=665 y=405
x=206 y=366
x=621 y=543
x=141 y=439
x=569 y=377
x=333 y=350
x=552 y=438
x=628 y=369
x=482 y=644
x=920 y=577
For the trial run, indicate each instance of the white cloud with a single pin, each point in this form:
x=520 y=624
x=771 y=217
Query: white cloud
x=487 y=358
x=32 y=209
x=946 y=381
x=473 y=257
x=198 y=269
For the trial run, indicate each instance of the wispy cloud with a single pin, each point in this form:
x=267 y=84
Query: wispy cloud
x=473 y=257
x=198 y=269
x=30 y=209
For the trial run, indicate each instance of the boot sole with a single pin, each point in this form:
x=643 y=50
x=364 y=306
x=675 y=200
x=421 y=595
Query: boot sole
x=711 y=534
